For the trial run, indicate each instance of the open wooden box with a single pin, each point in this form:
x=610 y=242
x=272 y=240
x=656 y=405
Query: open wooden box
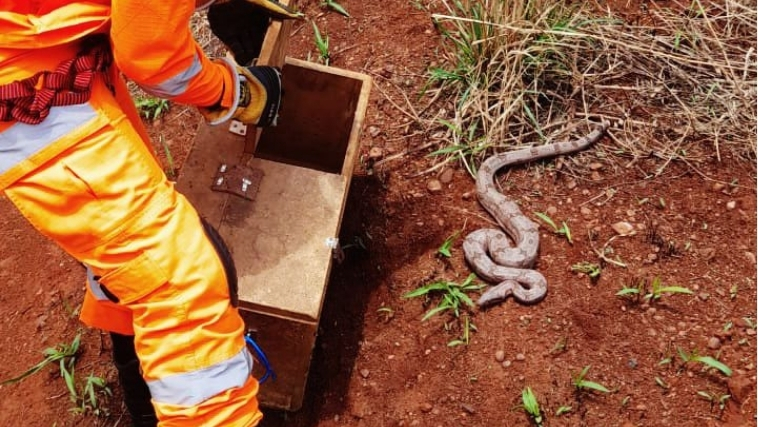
x=282 y=239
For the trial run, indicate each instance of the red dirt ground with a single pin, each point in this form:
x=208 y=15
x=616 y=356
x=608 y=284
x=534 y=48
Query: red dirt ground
x=372 y=369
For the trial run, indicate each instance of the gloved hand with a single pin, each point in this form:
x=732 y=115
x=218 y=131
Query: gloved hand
x=241 y=24
x=257 y=97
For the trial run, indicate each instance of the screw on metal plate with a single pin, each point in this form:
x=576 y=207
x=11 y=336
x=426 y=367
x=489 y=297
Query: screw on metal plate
x=238 y=128
x=243 y=181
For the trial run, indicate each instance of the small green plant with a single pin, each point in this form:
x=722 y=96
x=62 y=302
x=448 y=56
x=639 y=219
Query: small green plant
x=563 y=409
x=151 y=107
x=454 y=295
x=749 y=322
x=171 y=171
x=64 y=354
x=733 y=291
x=662 y=384
x=581 y=384
x=560 y=345
x=715 y=399
x=386 y=313
x=453 y=298
x=466 y=329
x=708 y=361
x=444 y=249
x=332 y=4
x=531 y=406
x=652 y=292
x=591 y=269
x=90 y=399
x=564 y=230
x=322 y=44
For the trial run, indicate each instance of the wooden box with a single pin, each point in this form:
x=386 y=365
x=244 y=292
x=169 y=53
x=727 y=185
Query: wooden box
x=281 y=239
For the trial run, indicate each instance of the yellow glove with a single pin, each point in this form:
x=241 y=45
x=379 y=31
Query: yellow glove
x=257 y=97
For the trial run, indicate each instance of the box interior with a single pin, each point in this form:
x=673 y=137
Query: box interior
x=315 y=121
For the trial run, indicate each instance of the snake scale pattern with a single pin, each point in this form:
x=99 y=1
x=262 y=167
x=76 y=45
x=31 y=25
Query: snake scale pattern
x=506 y=256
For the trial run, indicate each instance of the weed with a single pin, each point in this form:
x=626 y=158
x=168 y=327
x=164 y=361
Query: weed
x=581 y=384
x=444 y=250
x=386 y=313
x=559 y=346
x=714 y=399
x=322 y=44
x=563 y=409
x=662 y=384
x=62 y=353
x=332 y=4
x=591 y=269
x=564 y=230
x=151 y=107
x=89 y=401
x=651 y=292
x=733 y=291
x=466 y=329
x=531 y=406
x=749 y=322
x=171 y=171
x=453 y=298
x=708 y=361
x=625 y=401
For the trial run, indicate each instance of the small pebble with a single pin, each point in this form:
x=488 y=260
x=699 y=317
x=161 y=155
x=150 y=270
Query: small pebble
x=446 y=176
x=434 y=186
x=500 y=355
x=730 y=205
x=468 y=408
x=714 y=343
x=426 y=407
x=506 y=363
x=520 y=357
x=364 y=373
x=375 y=153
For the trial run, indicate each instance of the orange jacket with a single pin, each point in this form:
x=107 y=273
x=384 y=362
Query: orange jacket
x=152 y=45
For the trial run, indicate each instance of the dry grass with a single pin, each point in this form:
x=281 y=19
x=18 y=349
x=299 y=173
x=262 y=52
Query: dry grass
x=682 y=87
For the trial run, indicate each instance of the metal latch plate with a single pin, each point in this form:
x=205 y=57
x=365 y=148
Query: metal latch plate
x=243 y=181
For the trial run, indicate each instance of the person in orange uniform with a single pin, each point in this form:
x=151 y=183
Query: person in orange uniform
x=76 y=162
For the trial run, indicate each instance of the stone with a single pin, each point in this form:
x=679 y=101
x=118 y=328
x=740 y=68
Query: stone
x=500 y=356
x=365 y=373
x=623 y=228
x=446 y=176
x=740 y=387
x=434 y=186
x=373 y=131
x=730 y=205
x=714 y=343
x=520 y=357
x=426 y=407
x=375 y=153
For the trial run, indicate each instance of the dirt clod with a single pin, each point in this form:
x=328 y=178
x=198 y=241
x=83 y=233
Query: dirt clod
x=740 y=387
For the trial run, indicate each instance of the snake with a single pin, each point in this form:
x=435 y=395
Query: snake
x=506 y=256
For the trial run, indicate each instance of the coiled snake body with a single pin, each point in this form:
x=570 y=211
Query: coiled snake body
x=490 y=252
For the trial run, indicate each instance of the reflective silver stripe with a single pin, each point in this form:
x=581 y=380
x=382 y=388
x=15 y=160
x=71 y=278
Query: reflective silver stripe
x=21 y=141
x=193 y=388
x=235 y=102
x=94 y=286
x=176 y=85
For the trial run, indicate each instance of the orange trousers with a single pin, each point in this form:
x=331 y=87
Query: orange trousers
x=106 y=201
